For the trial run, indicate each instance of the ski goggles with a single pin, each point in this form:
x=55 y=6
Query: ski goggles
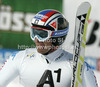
x=43 y=34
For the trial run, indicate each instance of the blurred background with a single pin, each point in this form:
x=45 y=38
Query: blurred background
x=15 y=22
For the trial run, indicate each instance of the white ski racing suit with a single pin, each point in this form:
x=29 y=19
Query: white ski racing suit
x=37 y=70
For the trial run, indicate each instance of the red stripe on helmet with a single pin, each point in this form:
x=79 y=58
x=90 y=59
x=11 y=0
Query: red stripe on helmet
x=38 y=28
x=52 y=33
x=46 y=16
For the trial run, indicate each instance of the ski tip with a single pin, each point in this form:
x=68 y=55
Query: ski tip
x=83 y=8
x=86 y=3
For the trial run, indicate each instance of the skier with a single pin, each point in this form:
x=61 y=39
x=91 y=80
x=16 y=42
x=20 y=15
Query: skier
x=48 y=65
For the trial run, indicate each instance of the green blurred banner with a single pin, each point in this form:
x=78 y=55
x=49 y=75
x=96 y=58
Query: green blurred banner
x=15 y=20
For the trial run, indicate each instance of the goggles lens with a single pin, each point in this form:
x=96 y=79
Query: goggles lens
x=43 y=34
x=39 y=33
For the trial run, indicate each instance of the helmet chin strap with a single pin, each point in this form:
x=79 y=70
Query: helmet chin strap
x=53 y=48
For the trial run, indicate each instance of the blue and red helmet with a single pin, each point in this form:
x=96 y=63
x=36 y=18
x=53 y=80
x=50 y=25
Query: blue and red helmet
x=52 y=21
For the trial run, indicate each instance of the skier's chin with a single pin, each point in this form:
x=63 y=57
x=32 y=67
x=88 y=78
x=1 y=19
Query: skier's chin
x=42 y=49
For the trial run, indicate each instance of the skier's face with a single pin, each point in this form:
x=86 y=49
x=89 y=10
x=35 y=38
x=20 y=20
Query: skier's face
x=43 y=47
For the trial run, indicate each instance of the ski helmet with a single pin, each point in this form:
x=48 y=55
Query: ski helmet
x=49 y=24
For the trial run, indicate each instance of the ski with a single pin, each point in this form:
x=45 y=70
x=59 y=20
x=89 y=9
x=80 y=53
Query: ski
x=81 y=23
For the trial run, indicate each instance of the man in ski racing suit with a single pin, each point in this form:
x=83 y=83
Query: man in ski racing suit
x=48 y=65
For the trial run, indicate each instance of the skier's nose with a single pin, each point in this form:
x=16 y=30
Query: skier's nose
x=36 y=40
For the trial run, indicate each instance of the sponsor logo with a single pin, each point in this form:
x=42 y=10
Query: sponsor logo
x=40 y=16
x=14 y=20
x=61 y=32
x=54 y=25
x=92 y=39
x=30 y=55
x=59 y=57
